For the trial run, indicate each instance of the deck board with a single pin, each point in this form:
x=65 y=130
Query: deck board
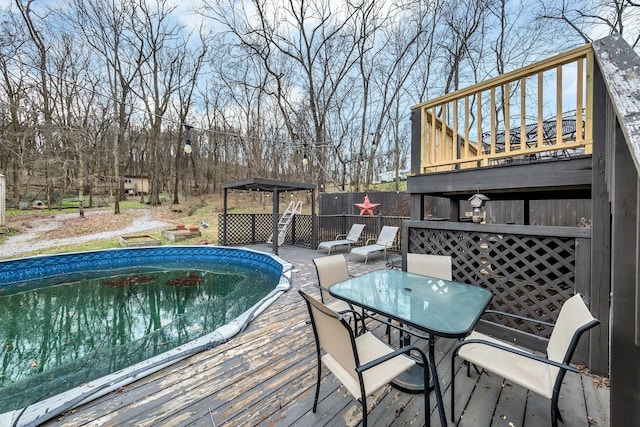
x=510 y=410
x=266 y=376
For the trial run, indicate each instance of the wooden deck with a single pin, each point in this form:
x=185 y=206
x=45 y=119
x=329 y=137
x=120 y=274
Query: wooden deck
x=266 y=376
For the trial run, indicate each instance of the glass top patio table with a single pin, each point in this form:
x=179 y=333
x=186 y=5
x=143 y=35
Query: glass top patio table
x=439 y=307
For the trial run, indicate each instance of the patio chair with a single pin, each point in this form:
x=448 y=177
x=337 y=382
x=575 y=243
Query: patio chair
x=541 y=375
x=333 y=269
x=363 y=364
x=352 y=237
x=438 y=266
x=385 y=240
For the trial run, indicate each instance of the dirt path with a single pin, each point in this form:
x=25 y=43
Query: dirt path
x=30 y=239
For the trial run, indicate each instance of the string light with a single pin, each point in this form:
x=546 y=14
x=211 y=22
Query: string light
x=187 y=139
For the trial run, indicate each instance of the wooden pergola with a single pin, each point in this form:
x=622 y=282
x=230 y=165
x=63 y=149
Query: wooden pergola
x=276 y=187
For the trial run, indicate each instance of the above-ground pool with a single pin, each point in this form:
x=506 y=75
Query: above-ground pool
x=77 y=326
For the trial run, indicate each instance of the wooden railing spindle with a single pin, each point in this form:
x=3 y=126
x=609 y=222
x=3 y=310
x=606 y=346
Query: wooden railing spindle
x=445 y=146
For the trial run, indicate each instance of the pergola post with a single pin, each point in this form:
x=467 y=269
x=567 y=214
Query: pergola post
x=224 y=218
x=276 y=209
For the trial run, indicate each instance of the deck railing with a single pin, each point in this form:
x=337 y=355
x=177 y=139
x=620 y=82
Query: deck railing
x=541 y=110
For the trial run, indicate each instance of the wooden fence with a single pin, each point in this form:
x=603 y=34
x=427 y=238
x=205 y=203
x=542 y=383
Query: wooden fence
x=563 y=213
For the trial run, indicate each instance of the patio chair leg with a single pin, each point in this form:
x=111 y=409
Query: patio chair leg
x=555 y=416
x=315 y=399
x=555 y=411
x=364 y=412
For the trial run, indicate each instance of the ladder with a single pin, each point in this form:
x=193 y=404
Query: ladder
x=285 y=220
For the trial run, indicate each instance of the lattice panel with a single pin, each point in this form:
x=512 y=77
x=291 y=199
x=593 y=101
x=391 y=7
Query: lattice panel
x=264 y=227
x=303 y=231
x=245 y=228
x=529 y=276
x=256 y=228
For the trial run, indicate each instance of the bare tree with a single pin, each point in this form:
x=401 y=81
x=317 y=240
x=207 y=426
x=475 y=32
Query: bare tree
x=164 y=49
x=73 y=107
x=108 y=29
x=310 y=35
x=586 y=19
x=41 y=62
x=13 y=150
x=387 y=41
x=189 y=67
x=464 y=22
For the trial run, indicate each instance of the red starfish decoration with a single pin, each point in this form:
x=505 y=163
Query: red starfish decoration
x=366 y=207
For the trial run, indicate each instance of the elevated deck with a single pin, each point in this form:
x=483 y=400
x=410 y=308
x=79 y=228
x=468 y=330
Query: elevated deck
x=528 y=114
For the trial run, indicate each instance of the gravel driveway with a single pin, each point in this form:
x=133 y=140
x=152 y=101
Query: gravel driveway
x=30 y=241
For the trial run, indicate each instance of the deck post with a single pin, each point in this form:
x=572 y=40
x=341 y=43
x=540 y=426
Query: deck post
x=625 y=354
x=600 y=234
x=619 y=65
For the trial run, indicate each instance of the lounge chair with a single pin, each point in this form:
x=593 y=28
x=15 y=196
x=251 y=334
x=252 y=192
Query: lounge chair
x=363 y=364
x=385 y=240
x=539 y=374
x=348 y=239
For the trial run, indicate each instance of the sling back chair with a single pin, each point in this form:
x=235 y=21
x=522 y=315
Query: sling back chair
x=343 y=239
x=385 y=240
x=363 y=364
x=333 y=269
x=438 y=266
x=541 y=375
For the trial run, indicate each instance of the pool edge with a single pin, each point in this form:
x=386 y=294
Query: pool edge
x=43 y=411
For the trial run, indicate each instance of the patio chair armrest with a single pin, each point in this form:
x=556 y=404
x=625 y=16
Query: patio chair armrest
x=340 y=235
x=515 y=351
x=404 y=350
x=351 y=312
x=369 y=241
x=515 y=316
